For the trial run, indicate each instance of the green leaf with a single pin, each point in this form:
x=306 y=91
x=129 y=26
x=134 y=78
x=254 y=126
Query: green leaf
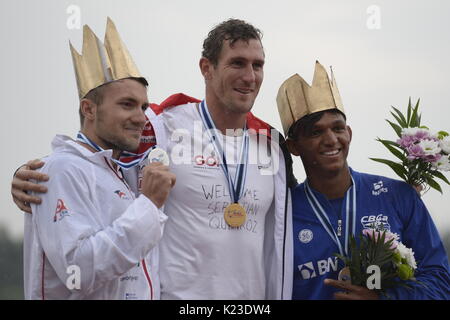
x=399 y=120
x=396 y=127
x=403 y=122
x=415 y=117
x=397 y=167
x=434 y=185
x=390 y=146
x=408 y=117
x=439 y=175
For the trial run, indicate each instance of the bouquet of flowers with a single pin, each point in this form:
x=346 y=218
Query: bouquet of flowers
x=394 y=261
x=422 y=154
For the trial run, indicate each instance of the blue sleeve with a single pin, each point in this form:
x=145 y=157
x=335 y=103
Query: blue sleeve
x=421 y=235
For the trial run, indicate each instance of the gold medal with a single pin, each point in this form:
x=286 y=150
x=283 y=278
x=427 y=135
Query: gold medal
x=235 y=215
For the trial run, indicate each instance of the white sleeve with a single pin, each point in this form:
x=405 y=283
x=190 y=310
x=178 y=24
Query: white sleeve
x=102 y=252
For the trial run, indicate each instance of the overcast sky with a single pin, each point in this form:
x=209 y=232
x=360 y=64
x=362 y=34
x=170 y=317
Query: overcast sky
x=382 y=52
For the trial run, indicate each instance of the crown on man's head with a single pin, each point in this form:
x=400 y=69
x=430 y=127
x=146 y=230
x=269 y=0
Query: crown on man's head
x=102 y=63
x=296 y=98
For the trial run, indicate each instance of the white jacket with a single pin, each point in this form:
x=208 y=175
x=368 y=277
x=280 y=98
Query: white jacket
x=91 y=238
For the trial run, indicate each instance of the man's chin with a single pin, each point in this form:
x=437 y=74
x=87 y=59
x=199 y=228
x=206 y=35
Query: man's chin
x=128 y=146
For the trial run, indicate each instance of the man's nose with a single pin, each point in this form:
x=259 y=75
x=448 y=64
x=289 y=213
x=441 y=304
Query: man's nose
x=330 y=137
x=249 y=74
x=139 y=117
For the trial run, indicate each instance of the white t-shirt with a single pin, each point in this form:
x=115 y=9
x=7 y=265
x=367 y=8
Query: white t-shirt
x=201 y=257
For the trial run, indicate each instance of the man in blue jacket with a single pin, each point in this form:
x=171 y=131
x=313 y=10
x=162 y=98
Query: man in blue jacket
x=335 y=202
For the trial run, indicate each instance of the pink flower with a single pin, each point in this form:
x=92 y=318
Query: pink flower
x=411 y=136
x=406 y=141
x=374 y=234
x=415 y=152
x=433 y=157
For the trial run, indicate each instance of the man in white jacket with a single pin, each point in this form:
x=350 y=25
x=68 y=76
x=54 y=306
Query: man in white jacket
x=93 y=237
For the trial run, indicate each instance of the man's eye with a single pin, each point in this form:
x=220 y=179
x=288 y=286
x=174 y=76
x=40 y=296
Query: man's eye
x=258 y=66
x=144 y=107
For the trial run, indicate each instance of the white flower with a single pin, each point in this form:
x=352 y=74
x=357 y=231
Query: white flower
x=414 y=131
x=430 y=147
x=442 y=164
x=408 y=254
x=444 y=144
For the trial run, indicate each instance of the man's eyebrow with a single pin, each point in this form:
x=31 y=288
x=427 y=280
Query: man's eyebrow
x=339 y=121
x=129 y=99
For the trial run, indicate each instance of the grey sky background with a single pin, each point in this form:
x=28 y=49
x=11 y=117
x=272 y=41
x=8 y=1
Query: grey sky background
x=374 y=68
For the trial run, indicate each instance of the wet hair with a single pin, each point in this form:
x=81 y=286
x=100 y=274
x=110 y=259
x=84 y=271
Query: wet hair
x=306 y=123
x=232 y=30
x=96 y=95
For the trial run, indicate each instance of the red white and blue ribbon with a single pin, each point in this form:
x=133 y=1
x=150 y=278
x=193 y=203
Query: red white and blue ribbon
x=236 y=187
x=124 y=165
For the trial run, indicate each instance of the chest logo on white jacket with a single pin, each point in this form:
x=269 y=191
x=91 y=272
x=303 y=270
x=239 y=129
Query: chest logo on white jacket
x=305 y=236
x=61 y=211
x=121 y=195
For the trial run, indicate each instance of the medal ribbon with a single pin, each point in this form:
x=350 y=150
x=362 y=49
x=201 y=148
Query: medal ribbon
x=124 y=165
x=350 y=215
x=235 y=188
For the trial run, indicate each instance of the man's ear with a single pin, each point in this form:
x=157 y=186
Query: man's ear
x=292 y=147
x=205 y=68
x=349 y=132
x=88 y=109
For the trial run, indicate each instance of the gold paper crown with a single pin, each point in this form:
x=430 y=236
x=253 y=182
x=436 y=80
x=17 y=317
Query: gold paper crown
x=296 y=98
x=100 y=64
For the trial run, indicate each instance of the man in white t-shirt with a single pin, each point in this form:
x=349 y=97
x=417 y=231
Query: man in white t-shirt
x=204 y=253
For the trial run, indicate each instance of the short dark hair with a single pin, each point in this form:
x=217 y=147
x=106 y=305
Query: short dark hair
x=231 y=29
x=306 y=123
x=96 y=95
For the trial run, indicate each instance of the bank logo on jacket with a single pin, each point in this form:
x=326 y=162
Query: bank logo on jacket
x=61 y=211
x=378 y=188
x=310 y=269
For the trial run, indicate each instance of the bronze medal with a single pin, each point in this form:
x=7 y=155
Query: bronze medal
x=235 y=215
x=344 y=275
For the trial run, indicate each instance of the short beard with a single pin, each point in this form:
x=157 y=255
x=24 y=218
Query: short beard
x=116 y=143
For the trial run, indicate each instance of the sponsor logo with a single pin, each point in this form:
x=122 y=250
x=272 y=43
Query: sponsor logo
x=148 y=139
x=305 y=236
x=129 y=278
x=203 y=161
x=61 y=211
x=121 y=194
x=131 y=296
x=311 y=269
x=377 y=222
x=378 y=188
